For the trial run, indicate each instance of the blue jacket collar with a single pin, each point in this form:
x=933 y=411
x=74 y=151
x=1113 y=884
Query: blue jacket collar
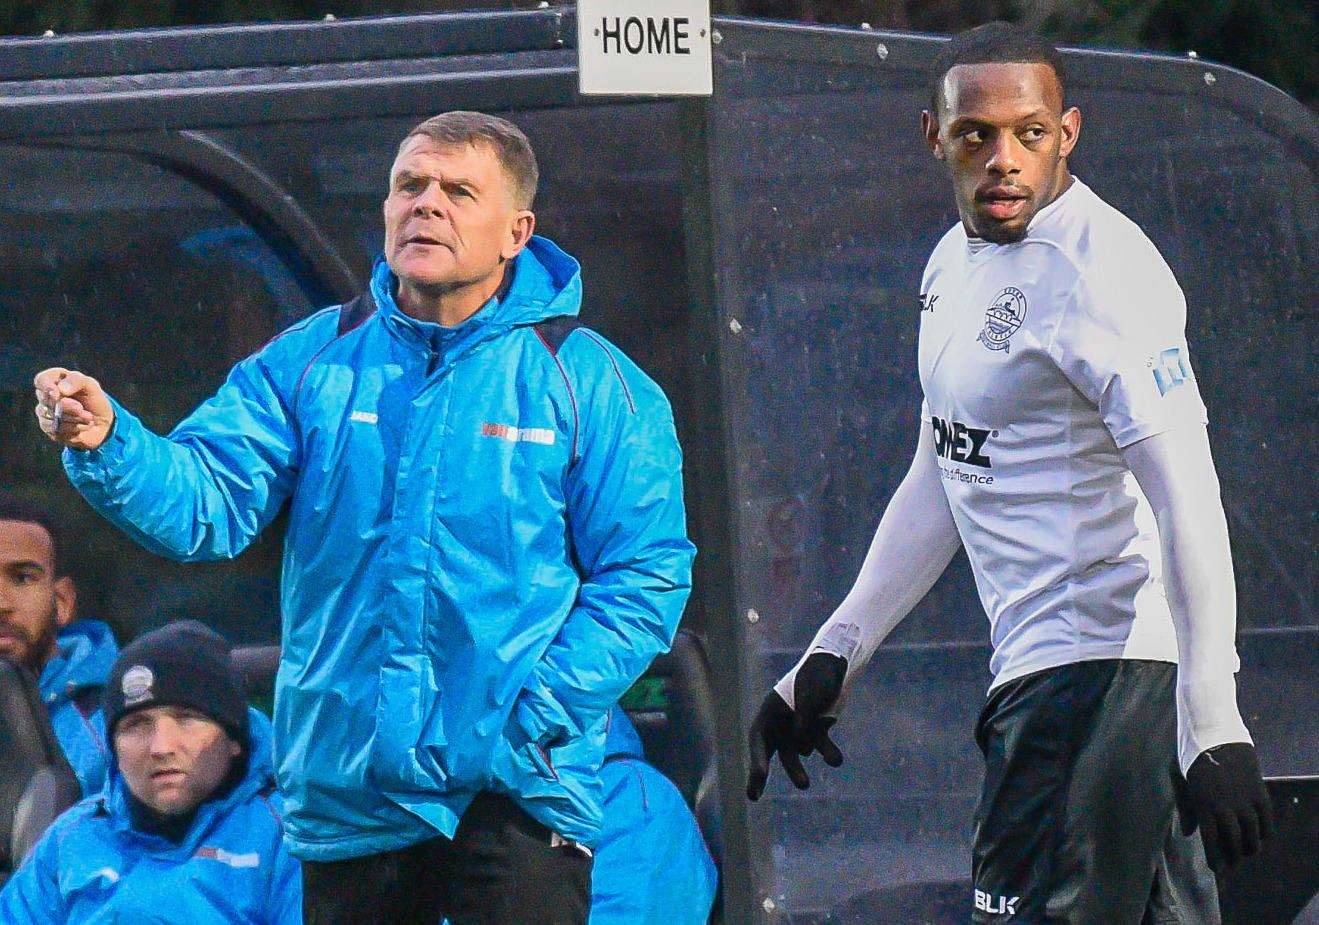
x=546 y=283
x=85 y=651
x=260 y=776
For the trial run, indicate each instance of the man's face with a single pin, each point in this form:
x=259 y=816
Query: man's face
x=34 y=603
x=1002 y=132
x=172 y=758
x=450 y=218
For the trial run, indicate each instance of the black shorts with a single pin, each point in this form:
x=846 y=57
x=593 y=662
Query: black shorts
x=1077 y=821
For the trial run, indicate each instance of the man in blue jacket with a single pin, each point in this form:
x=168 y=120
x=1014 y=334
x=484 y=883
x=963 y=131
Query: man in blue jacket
x=486 y=544
x=40 y=630
x=187 y=828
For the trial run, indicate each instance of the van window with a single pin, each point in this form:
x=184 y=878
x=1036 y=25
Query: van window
x=140 y=278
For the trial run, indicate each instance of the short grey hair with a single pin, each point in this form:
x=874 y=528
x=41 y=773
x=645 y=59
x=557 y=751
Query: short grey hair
x=461 y=127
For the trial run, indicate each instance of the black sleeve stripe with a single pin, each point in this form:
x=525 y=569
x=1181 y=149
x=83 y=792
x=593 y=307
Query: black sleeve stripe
x=552 y=346
x=355 y=312
x=554 y=331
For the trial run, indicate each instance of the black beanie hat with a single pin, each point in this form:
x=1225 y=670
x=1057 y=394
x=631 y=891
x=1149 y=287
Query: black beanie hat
x=182 y=664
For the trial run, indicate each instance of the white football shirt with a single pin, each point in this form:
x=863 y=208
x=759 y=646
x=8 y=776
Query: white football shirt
x=1038 y=361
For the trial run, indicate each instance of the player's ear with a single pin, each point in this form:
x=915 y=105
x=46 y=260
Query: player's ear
x=930 y=128
x=1070 y=126
x=66 y=601
x=520 y=231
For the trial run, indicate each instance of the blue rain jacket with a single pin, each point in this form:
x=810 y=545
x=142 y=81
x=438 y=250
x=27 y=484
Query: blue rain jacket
x=231 y=868
x=70 y=687
x=486 y=546
x=652 y=866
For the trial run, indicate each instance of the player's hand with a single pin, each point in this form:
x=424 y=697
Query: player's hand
x=794 y=733
x=1228 y=802
x=72 y=409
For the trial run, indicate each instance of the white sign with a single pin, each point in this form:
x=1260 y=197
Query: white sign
x=652 y=47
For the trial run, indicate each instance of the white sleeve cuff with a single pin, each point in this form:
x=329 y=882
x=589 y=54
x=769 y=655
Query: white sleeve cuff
x=1207 y=716
x=840 y=639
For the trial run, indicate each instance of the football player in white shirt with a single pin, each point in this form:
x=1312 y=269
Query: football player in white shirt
x=1063 y=443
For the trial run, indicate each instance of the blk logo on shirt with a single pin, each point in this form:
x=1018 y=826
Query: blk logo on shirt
x=996 y=905
x=954 y=440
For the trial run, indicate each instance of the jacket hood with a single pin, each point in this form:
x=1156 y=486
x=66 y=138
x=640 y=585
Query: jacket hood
x=546 y=283
x=260 y=776
x=85 y=651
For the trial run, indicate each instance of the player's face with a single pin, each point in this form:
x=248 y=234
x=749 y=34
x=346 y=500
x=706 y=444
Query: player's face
x=34 y=603
x=172 y=758
x=1002 y=131
x=450 y=217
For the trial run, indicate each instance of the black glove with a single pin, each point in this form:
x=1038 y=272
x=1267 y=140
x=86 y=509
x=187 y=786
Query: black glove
x=1228 y=802
x=794 y=733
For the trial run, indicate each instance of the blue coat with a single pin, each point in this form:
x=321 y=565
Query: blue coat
x=70 y=687
x=231 y=868
x=652 y=866
x=486 y=546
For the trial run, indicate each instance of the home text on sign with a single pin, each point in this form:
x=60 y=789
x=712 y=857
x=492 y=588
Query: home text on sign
x=654 y=47
x=651 y=35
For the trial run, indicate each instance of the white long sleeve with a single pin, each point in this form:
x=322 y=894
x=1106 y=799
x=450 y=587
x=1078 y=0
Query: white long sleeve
x=914 y=543
x=1175 y=470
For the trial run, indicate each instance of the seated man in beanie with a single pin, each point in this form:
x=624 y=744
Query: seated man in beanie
x=187 y=828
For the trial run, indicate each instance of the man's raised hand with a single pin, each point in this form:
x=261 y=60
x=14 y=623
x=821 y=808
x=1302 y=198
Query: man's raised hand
x=799 y=730
x=72 y=409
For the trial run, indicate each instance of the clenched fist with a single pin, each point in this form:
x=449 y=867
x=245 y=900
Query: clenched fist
x=72 y=409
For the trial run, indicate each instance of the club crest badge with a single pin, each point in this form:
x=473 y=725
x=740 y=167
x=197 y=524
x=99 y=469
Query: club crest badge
x=1003 y=318
x=137 y=685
